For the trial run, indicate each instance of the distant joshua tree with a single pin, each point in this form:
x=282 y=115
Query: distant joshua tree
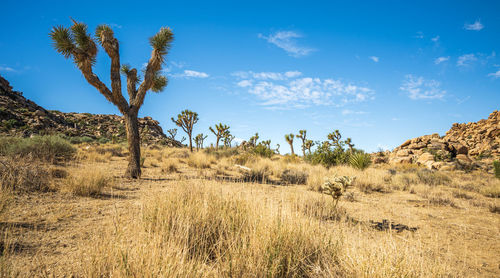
x=335 y=137
x=289 y=139
x=349 y=143
x=228 y=138
x=267 y=143
x=308 y=145
x=74 y=42
x=198 y=140
x=172 y=132
x=220 y=131
x=278 y=148
x=186 y=120
x=253 y=140
x=302 y=136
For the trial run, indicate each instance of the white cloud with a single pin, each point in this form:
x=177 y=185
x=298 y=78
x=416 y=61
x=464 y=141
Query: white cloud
x=244 y=83
x=267 y=75
x=435 y=39
x=300 y=92
x=419 y=35
x=476 y=26
x=466 y=60
x=351 y=112
x=286 y=40
x=418 y=88
x=439 y=60
x=191 y=74
x=374 y=58
x=7 y=69
x=495 y=74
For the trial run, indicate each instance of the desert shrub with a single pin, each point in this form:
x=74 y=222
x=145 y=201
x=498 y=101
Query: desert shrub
x=432 y=178
x=87 y=182
x=293 y=176
x=23 y=176
x=103 y=140
x=327 y=157
x=492 y=190
x=256 y=175
x=222 y=152
x=288 y=158
x=360 y=160
x=200 y=160
x=263 y=151
x=494 y=208
x=244 y=158
x=336 y=186
x=80 y=139
x=45 y=148
x=169 y=165
x=58 y=173
x=113 y=150
x=496 y=168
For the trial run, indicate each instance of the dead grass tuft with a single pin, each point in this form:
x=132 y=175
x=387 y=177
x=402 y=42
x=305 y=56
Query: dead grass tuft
x=88 y=181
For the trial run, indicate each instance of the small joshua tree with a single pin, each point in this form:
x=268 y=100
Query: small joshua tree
x=267 y=143
x=220 y=131
x=289 y=140
x=201 y=138
x=186 y=120
x=349 y=143
x=335 y=137
x=278 y=148
x=253 y=140
x=308 y=145
x=172 y=132
x=302 y=136
x=228 y=138
x=337 y=186
x=74 y=42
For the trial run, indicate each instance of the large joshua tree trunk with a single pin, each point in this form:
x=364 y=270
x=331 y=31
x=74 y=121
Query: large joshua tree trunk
x=134 y=143
x=291 y=147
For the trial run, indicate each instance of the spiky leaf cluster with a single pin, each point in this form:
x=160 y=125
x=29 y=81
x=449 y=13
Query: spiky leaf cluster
x=162 y=41
x=159 y=83
x=336 y=186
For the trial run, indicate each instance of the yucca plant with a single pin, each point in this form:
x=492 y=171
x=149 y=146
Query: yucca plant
x=302 y=136
x=360 y=160
x=289 y=140
x=76 y=43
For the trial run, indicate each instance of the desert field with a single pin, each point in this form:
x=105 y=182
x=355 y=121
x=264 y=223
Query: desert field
x=231 y=213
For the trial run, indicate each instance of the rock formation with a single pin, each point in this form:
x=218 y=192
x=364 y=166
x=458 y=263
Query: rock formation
x=22 y=117
x=465 y=146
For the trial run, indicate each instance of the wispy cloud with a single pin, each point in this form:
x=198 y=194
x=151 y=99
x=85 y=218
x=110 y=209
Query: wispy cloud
x=351 y=112
x=286 y=40
x=419 y=88
x=191 y=74
x=419 y=35
x=435 y=39
x=495 y=75
x=300 y=92
x=374 y=58
x=267 y=75
x=439 y=60
x=476 y=26
x=466 y=60
x=7 y=69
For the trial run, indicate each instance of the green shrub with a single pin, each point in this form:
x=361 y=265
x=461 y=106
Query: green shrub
x=80 y=139
x=496 y=167
x=45 y=148
x=263 y=151
x=433 y=178
x=327 y=156
x=360 y=160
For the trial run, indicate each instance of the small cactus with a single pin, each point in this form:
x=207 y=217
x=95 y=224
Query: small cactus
x=336 y=186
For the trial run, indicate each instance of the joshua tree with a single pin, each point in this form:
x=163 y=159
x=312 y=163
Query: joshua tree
x=228 y=138
x=308 y=145
x=302 y=136
x=267 y=143
x=349 y=143
x=335 y=137
x=278 y=148
x=198 y=140
x=172 y=132
x=220 y=131
x=289 y=139
x=253 y=140
x=182 y=139
x=76 y=43
x=186 y=120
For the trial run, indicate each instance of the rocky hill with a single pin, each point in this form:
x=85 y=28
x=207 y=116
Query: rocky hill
x=466 y=146
x=22 y=117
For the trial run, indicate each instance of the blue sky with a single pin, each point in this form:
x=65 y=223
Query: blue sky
x=379 y=72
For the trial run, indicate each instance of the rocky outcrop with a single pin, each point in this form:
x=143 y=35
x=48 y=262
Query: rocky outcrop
x=465 y=146
x=22 y=117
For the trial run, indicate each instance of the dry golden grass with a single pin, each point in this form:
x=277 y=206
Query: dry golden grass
x=187 y=225
x=87 y=181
